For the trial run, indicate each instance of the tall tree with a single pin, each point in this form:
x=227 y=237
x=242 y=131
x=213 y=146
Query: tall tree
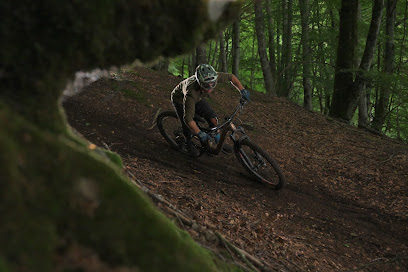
x=201 y=54
x=343 y=79
x=348 y=91
x=271 y=37
x=236 y=54
x=193 y=62
x=361 y=80
x=381 y=108
x=260 y=33
x=286 y=86
x=215 y=53
x=253 y=60
x=304 y=11
x=323 y=57
x=223 y=55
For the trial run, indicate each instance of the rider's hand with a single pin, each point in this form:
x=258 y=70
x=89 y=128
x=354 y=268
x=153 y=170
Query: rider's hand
x=245 y=95
x=202 y=136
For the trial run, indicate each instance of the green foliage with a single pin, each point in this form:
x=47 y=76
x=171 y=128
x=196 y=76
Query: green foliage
x=323 y=35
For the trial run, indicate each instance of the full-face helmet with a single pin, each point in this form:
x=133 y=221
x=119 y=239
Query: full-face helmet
x=206 y=76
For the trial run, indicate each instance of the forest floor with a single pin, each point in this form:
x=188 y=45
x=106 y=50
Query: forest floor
x=345 y=207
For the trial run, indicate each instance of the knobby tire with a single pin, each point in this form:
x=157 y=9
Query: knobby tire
x=274 y=179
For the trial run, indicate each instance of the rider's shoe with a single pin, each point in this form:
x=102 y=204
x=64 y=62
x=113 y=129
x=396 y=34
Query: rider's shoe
x=192 y=149
x=227 y=148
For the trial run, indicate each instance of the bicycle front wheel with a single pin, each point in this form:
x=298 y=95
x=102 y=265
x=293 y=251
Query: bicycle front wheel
x=259 y=164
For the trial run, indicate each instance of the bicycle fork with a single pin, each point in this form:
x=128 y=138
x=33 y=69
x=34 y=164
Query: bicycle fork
x=259 y=162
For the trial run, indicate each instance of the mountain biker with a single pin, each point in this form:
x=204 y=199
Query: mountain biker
x=188 y=99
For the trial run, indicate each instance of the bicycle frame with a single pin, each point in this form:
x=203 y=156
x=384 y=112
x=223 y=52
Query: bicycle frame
x=225 y=128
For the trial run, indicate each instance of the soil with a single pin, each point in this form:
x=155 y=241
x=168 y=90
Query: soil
x=345 y=206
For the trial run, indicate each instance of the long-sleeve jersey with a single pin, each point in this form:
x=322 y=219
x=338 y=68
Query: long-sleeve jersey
x=188 y=93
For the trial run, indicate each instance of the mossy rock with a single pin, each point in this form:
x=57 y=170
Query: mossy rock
x=64 y=194
x=56 y=194
x=45 y=42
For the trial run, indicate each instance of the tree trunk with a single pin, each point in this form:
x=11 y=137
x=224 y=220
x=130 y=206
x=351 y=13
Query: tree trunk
x=343 y=81
x=253 y=60
x=266 y=68
x=404 y=35
x=286 y=86
x=215 y=52
x=201 y=54
x=223 y=55
x=162 y=66
x=363 y=110
x=210 y=53
x=279 y=68
x=347 y=92
x=271 y=36
x=384 y=96
x=304 y=11
x=322 y=70
x=235 y=47
x=193 y=63
x=361 y=80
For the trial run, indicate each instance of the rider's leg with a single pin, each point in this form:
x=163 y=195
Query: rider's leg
x=179 y=108
x=203 y=109
x=188 y=134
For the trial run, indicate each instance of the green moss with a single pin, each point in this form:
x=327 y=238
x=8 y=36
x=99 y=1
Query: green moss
x=131 y=90
x=111 y=156
x=3 y=266
x=67 y=193
x=138 y=96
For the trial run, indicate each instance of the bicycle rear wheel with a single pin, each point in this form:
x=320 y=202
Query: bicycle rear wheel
x=172 y=131
x=259 y=164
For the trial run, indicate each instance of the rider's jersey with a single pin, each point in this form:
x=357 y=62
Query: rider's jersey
x=188 y=93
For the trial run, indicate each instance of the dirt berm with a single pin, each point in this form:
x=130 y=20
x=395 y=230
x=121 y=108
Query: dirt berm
x=344 y=207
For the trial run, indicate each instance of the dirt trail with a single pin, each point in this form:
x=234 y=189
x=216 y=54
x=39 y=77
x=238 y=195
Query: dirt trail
x=345 y=206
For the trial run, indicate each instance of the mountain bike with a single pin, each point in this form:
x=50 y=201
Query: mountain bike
x=253 y=158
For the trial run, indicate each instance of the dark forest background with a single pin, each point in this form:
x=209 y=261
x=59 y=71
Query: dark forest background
x=346 y=59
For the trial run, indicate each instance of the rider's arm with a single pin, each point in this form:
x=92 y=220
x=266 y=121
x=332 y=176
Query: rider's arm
x=189 y=111
x=193 y=126
x=236 y=82
x=226 y=78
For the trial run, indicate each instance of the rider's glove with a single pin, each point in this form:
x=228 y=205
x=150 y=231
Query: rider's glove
x=202 y=136
x=245 y=95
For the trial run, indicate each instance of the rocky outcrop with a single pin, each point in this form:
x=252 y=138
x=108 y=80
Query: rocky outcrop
x=60 y=201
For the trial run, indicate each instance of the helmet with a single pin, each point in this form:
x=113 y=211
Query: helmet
x=206 y=76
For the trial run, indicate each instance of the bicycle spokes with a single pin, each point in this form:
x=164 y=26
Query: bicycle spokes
x=254 y=160
x=260 y=164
